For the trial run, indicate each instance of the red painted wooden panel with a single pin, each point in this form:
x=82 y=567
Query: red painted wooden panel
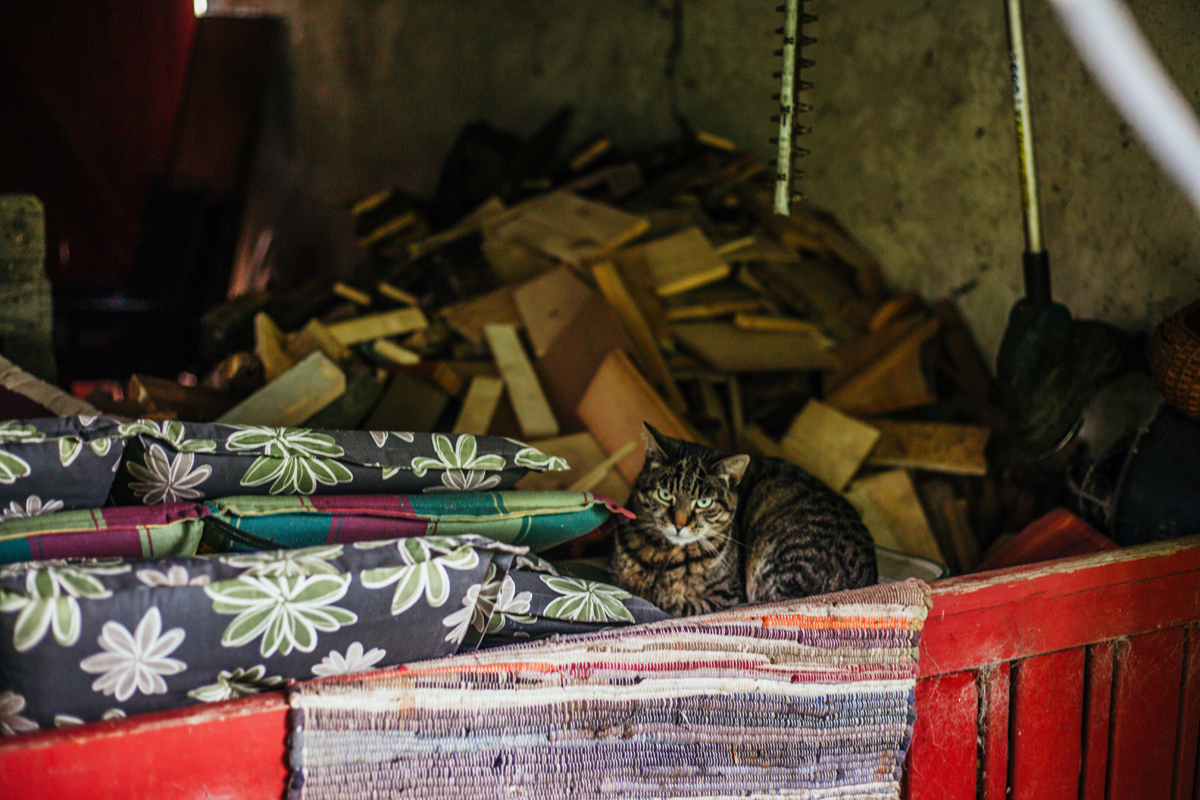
x=941 y=760
x=1047 y=724
x=993 y=727
x=1060 y=605
x=1145 y=714
x=1184 y=782
x=224 y=750
x=1097 y=702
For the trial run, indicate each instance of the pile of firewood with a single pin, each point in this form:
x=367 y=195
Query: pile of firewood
x=571 y=305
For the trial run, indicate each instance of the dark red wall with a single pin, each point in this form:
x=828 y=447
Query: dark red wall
x=90 y=96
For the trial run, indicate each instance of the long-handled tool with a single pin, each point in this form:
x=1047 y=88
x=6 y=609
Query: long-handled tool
x=1050 y=365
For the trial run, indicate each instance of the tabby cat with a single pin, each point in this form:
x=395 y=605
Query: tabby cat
x=714 y=530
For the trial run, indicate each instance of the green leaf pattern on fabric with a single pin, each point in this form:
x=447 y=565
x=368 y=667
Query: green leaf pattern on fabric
x=424 y=571
x=532 y=458
x=238 y=682
x=170 y=431
x=586 y=601
x=50 y=602
x=13 y=466
x=463 y=469
x=304 y=561
x=287 y=611
x=296 y=459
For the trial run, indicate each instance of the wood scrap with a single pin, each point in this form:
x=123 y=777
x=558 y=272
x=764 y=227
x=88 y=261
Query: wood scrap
x=395 y=293
x=364 y=388
x=683 y=261
x=576 y=353
x=313 y=337
x=513 y=261
x=950 y=519
x=189 y=403
x=547 y=304
x=524 y=391
x=777 y=324
x=953 y=448
x=293 y=397
x=585 y=459
x=727 y=348
x=467 y=318
x=270 y=347
x=617 y=401
x=393 y=353
x=356 y=296
x=570 y=228
x=407 y=404
x=645 y=348
x=639 y=285
x=892 y=512
x=894 y=381
x=471 y=223
x=827 y=443
x=479 y=406
x=378 y=326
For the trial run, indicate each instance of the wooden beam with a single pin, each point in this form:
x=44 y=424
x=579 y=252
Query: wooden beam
x=479 y=406
x=293 y=397
x=729 y=349
x=828 y=443
x=377 y=326
x=948 y=447
x=532 y=409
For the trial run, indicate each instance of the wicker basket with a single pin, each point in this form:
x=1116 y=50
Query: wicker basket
x=1174 y=352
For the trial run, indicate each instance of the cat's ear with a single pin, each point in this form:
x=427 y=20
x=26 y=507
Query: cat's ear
x=654 y=445
x=732 y=468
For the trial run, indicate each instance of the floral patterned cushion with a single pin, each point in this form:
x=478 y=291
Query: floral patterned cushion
x=538 y=520
x=166 y=529
x=191 y=461
x=57 y=463
x=65 y=463
x=85 y=640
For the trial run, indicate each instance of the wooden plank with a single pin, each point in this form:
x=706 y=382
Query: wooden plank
x=533 y=410
x=777 y=324
x=639 y=284
x=892 y=512
x=727 y=348
x=756 y=440
x=1183 y=784
x=954 y=448
x=994 y=691
x=828 y=443
x=941 y=759
x=895 y=381
x=617 y=402
x=479 y=406
x=645 y=346
x=377 y=326
x=494 y=308
x=408 y=404
x=1145 y=715
x=492 y=208
x=1097 y=699
x=513 y=261
x=547 y=304
x=683 y=261
x=393 y=353
x=949 y=517
x=1047 y=721
x=139 y=757
x=293 y=397
x=711 y=310
x=570 y=228
x=584 y=456
x=576 y=353
x=191 y=403
x=1061 y=604
x=312 y=337
x=269 y=347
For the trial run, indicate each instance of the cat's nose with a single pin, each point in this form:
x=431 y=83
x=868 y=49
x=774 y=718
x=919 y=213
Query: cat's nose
x=681 y=518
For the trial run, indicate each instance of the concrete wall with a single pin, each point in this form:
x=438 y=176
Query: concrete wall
x=913 y=145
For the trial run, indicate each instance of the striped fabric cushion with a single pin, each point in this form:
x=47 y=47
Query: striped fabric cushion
x=810 y=698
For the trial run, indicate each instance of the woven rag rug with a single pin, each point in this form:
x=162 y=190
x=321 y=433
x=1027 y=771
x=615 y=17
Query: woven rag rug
x=804 y=699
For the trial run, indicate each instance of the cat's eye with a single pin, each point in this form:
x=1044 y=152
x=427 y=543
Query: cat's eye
x=663 y=495
x=704 y=502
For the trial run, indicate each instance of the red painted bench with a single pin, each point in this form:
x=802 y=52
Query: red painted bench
x=1077 y=678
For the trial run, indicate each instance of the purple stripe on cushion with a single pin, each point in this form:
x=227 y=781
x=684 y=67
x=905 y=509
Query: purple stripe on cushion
x=158 y=514
x=121 y=543
x=348 y=504
x=371 y=529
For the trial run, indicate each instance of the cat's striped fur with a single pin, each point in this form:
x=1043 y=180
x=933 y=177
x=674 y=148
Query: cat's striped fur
x=714 y=530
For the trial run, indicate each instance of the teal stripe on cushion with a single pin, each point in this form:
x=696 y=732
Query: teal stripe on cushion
x=15 y=550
